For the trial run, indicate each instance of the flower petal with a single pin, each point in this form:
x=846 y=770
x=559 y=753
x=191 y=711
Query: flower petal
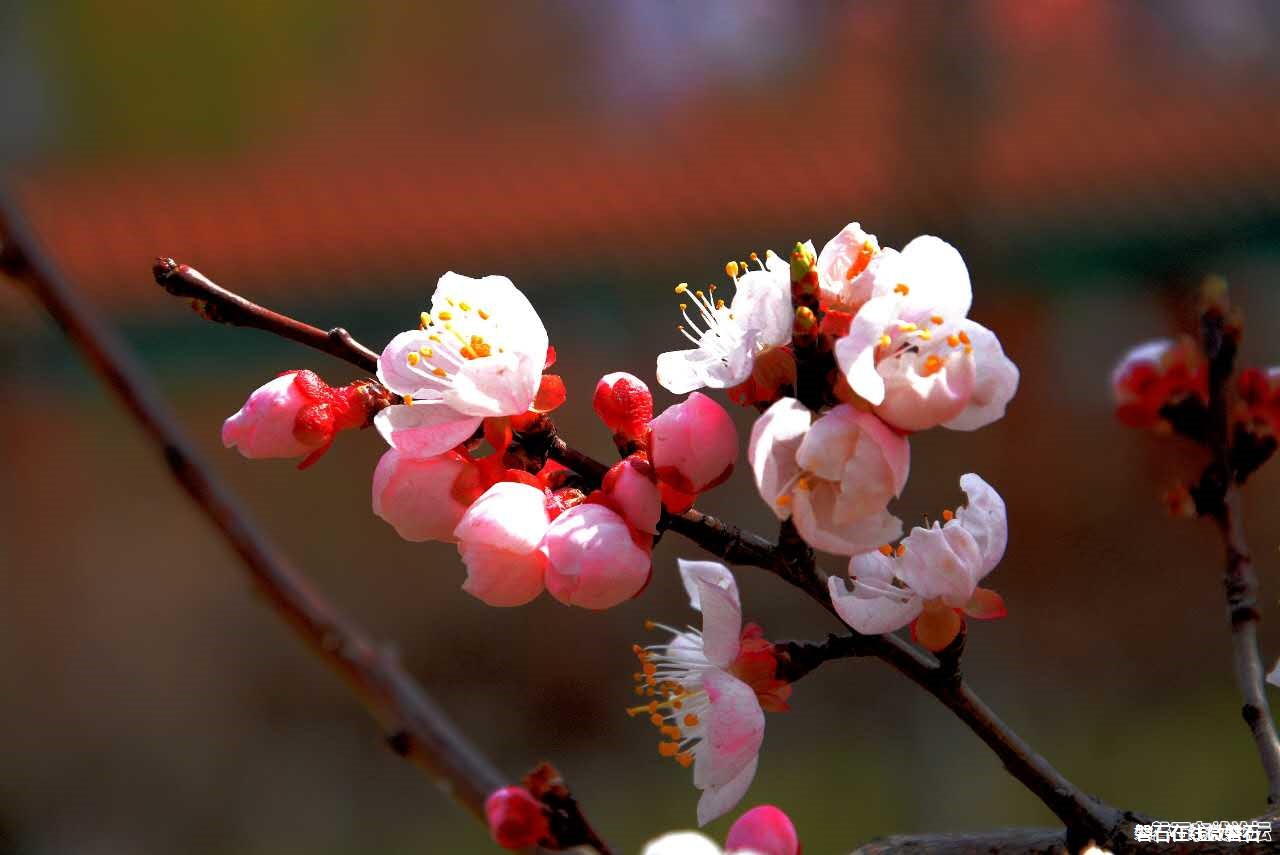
x=762 y=304
x=938 y=278
x=815 y=512
x=734 y=730
x=424 y=429
x=395 y=372
x=872 y=615
x=985 y=517
x=681 y=843
x=717 y=801
x=856 y=352
x=713 y=591
x=775 y=438
x=995 y=382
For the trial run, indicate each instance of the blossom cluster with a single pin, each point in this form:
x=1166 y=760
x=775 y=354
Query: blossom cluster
x=845 y=354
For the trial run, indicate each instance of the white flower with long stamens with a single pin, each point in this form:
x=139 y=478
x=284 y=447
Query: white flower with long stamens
x=709 y=690
x=932 y=577
x=478 y=353
x=912 y=353
x=728 y=337
x=834 y=476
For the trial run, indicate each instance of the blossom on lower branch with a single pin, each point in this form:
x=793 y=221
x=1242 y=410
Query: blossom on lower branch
x=763 y=830
x=709 y=689
x=930 y=580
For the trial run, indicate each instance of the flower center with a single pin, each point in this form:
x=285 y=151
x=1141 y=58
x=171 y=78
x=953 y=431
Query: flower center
x=458 y=333
x=670 y=676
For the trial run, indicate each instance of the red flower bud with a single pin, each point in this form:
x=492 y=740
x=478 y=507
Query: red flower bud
x=516 y=819
x=624 y=404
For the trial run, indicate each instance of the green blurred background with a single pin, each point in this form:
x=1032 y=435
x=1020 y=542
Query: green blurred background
x=1091 y=160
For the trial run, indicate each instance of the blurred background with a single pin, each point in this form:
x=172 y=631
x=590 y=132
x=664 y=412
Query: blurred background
x=1092 y=161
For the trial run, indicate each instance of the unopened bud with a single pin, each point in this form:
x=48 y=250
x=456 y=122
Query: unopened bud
x=516 y=819
x=625 y=405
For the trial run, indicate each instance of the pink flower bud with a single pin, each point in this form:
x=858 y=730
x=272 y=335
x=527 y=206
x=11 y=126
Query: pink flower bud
x=624 y=404
x=516 y=819
x=498 y=540
x=267 y=424
x=424 y=499
x=632 y=487
x=593 y=560
x=693 y=444
x=765 y=830
x=1156 y=373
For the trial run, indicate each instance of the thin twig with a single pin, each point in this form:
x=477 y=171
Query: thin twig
x=1218 y=496
x=1085 y=817
x=415 y=726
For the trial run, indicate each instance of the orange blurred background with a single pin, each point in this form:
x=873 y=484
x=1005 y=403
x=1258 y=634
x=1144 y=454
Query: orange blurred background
x=1092 y=161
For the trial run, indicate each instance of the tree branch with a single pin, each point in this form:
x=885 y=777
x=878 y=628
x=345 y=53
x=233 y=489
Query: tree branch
x=1085 y=817
x=415 y=727
x=1218 y=496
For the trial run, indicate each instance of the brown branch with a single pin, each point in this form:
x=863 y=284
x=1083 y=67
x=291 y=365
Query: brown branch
x=415 y=727
x=1086 y=818
x=1218 y=496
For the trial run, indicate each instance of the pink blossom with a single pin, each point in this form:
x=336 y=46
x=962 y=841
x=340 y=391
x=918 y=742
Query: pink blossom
x=478 y=353
x=833 y=477
x=424 y=498
x=593 y=561
x=293 y=415
x=625 y=405
x=764 y=829
x=912 y=353
x=932 y=577
x=498 y=539
x=632 y=488
x=693 y=444
x=712 y=687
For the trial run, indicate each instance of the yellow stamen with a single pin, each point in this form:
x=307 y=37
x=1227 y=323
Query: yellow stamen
x=906 y=327
x=964 y=337
x=439 y=372
x=484 y=316
x=948 y=516
x=884 y=341
x=685 y=759
x=731 y=269
x=408 y=400
x=901 y=288
x=424 y=321
x=668 y=749
x=464 y=307
x=901 y=550
x=413 y=358
x=937 y=319
x=783 y=501
x=691 y=720
x=446 y=316
x=886 y=550
x=682 y=288
x=953 y=341
x=656 y=719
x=925 y=335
